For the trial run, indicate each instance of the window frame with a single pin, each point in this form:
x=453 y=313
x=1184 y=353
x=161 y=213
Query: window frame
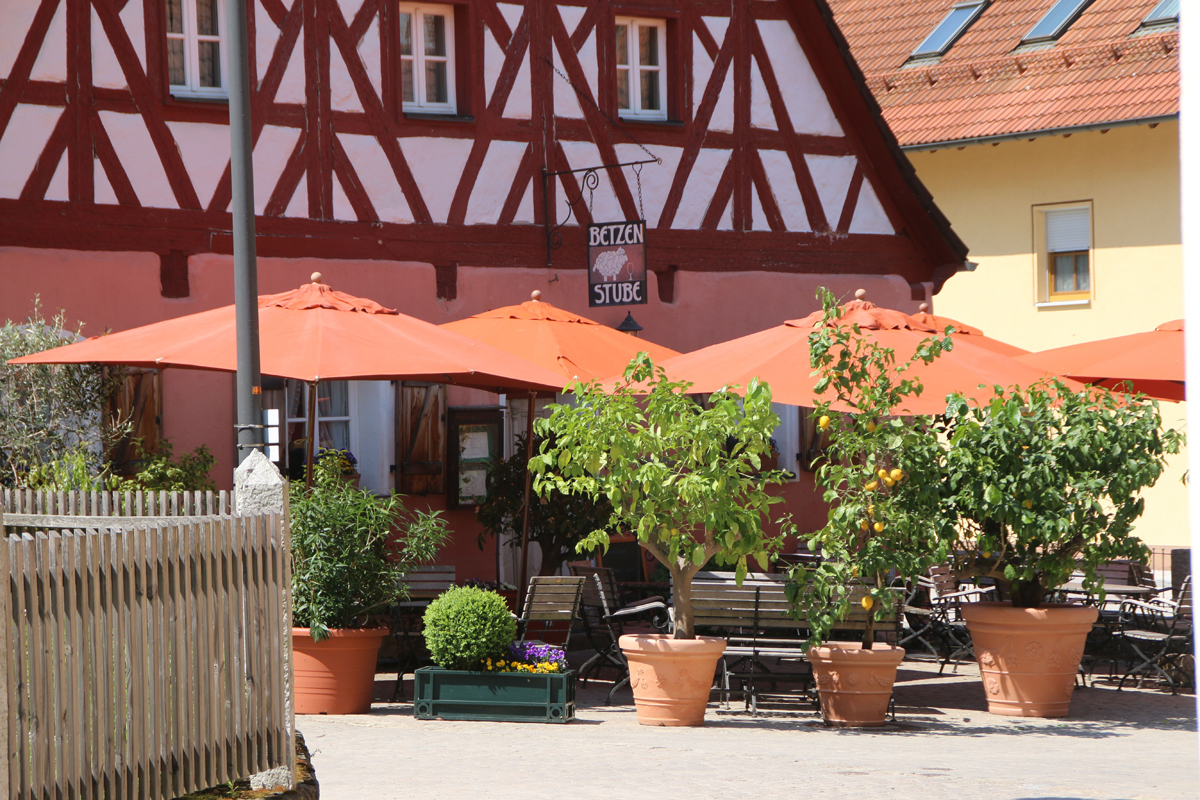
x=1045 y=294
x=191 y=54
x=1158 y=17
x=1068 y=294
x=922 y=53
x=1055 y=33
x=351 y=419
x=419 y=105
x=634 y=68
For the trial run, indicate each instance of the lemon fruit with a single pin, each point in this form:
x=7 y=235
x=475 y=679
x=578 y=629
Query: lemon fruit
x=987 y=553
x=867 y=602
x=1028 y=504
x=872 y=486
x=879 y=526
x=863 y=524
x=883 y=473
x=896 y=474
x=890 y=483
x=871 y=426
x=823 y=423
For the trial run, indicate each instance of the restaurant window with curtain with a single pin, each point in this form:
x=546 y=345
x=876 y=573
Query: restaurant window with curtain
x=334 y=421
x=195 y=55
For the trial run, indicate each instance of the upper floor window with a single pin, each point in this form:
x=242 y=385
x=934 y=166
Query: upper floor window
x=641 y=68
x=427 y=58
x=1054 y=23
x=952 y=26
x=194 y=57
x=1064 y=252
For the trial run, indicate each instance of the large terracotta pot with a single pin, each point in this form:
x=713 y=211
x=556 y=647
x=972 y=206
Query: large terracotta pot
x=337 y=675
x=1028 y=657
x=855 y=684
x=671 y=678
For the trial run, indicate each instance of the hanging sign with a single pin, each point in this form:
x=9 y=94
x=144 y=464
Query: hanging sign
x=617 y=263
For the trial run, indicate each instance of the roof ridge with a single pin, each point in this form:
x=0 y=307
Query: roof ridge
x=1013 y=64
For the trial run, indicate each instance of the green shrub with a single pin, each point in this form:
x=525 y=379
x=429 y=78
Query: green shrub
x=347 y=566
x=466 y=625
x=161 y=472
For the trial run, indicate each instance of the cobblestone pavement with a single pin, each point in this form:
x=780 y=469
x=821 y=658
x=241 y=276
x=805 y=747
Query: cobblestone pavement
x=1128 y=744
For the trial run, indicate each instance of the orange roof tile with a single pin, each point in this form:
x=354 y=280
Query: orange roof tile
x=1102 y=69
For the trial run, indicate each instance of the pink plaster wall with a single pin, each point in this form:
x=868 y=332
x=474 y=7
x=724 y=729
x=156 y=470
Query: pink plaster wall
x=118 y=291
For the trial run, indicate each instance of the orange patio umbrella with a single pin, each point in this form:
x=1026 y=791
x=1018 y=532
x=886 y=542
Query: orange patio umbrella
x=557 y=340
x=780 y=356
x=575 y=347
x=314 y=334
x=1152 y=361
x=973 y=335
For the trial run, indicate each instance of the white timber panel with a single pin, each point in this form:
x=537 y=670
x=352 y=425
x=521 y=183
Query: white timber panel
x=494 y=181
x=140 y=158
x=265 y=37
x=23 y=142
x=378 y=180
x=342 y=94
x=656 y=179
x=807 y=105
x=604 y=201
x=436 y=166
x=15 y=18
x=369 y=49
x=204 y=148
x=701 y=185
x=869 y=216
x=831 y=175
x=133 y=19
x=782 y=178
x=106 y=70
x=271 y=153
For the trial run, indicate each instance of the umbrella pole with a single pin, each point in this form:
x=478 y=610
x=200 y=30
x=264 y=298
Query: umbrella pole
x=311 y=440
x=525 y=523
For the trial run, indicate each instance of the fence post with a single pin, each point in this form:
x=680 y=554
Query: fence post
x=259 y=489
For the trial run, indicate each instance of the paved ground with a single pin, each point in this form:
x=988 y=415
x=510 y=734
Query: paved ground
x=1131 y=744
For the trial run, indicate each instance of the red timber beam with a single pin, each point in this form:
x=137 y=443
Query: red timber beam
x=140 y=229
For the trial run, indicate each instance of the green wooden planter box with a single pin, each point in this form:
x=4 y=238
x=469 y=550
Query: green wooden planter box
x=493 y=696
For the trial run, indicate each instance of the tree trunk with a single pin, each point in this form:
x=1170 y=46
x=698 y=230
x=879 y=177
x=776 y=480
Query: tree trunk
x=681 y=601
x=1027 y=594
x=869 y=630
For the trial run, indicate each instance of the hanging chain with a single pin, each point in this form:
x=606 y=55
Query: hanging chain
x=637 y=173
x=611 y=121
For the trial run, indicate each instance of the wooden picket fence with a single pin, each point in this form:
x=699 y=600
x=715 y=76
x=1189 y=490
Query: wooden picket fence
x=147 y=654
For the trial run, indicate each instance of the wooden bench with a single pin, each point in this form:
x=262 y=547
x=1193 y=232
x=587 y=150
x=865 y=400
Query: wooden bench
x=755 y=619
x=551 y=605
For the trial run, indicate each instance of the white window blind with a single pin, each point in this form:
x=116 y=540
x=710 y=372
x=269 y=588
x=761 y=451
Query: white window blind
x=1068 y=230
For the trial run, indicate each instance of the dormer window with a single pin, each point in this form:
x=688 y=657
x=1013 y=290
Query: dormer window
x=1056 y=21
x=952 y=26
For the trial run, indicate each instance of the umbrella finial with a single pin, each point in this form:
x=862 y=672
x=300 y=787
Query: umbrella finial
x=315 y=277
x=923 y=308
x=860 y=294
x=535 y=295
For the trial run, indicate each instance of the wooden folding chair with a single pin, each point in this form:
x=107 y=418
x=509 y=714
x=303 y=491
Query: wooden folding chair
x=551 y=606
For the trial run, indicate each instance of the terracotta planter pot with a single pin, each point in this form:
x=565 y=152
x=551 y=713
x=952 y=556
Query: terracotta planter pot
x=1028 y=657
x=337 y=675
x=855 y=684
x=671 y=678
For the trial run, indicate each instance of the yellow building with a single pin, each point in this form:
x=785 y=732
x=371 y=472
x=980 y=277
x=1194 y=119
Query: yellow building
x=1047 y=131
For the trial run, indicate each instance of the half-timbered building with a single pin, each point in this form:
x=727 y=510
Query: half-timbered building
x=433 y=157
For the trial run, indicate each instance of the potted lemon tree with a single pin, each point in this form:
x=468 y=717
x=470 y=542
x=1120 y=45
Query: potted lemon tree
x=1040 y=482
x=881 y=477
x=686 y=479
x=350 y=550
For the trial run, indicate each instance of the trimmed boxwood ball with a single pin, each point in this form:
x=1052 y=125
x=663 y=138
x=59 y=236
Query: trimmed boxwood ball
x=465 y=625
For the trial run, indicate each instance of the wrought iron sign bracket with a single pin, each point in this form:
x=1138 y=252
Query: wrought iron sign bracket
x=589 y=183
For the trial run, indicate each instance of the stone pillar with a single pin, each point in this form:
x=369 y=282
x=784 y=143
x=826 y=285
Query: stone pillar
x=259 y=489
x=258 y=486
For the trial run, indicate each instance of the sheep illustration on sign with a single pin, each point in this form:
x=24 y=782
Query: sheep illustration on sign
x=617 y=264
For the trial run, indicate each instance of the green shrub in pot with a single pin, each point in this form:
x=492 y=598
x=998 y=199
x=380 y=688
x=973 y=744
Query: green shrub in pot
x=465 y=625
x=347 y=564
x=1044 y=480
x=881 y=475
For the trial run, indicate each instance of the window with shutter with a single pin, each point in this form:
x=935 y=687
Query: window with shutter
x=1063 y=237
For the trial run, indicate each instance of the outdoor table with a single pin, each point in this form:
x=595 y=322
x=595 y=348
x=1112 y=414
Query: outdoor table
x=1111 y=588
